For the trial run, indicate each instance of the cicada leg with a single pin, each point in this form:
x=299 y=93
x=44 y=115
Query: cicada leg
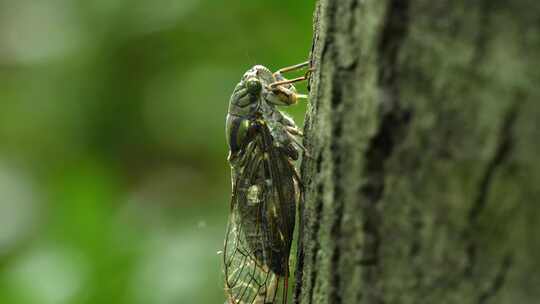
x=292 y=68
x=283 y=96
x=288 y=81
x=283 y=88
x=281 y=81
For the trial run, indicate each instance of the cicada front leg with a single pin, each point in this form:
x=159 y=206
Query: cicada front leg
x=281 y=81
x=283 y=89
x=283 y=96
x=292 y=68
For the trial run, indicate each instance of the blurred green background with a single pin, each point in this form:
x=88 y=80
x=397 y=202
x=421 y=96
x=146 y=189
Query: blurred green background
x=114 y=185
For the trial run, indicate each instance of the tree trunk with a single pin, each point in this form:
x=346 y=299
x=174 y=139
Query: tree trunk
x=421 y=182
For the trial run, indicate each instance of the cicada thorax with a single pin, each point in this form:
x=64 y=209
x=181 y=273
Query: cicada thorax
x=245 y=106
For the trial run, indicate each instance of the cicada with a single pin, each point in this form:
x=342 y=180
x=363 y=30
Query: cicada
x=263 y=145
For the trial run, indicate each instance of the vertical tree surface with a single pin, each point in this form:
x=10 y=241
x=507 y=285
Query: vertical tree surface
x=422 y=175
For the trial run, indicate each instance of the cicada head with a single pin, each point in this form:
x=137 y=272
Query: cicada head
x=256 y=78
x=246 y=98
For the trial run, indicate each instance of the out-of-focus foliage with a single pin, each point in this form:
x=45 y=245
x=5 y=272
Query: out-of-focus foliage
x=113 y=182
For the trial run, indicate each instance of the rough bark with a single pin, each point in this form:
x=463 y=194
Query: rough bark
x=421 y=183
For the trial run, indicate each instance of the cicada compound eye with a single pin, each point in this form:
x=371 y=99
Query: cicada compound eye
x=253 y=86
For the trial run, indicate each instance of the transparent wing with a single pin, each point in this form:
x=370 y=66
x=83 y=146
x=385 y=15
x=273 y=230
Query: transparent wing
x=261 y=224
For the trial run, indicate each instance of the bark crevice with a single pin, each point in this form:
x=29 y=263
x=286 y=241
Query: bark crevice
x=392 y=127
x=498 y=281
x=502 y=153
